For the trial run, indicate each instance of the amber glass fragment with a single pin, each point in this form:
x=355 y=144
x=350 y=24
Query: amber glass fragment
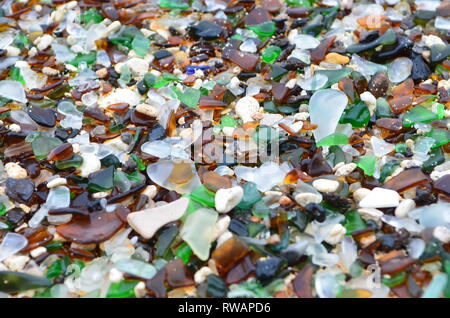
x=401 y=103
x=181 y=173
x=279 y=92
x=318 y=54
x=396 y=264
x=241 y=271
x=346 y=85
x=318 y=166
x=120 y=107
x=406 y=180
x=156 y=285
x=177 y=275
x=214 y=181
x=442 y=185
x=405 y=88
x=257 y=16
x=61 y=152
x=99 y=227
x=393 y=124
x=303 y=282
x=36 y=237
x=247 y=61
x=210 y=103
x=229 y=253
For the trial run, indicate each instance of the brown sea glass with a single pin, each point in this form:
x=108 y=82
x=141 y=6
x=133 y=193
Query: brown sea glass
x=303 y=282
x=279 y=92
x=378 y=84
x=442 y=185
x=257 y=16
x=318 y=166
x=396 y=264
x=401 y=103
x=61 y=152
x=18 y=150
x=318 y=54
x=214 y=181
x=392 y=124
x=406 y=180
x=156 y=285
x=346 y=85
x=246 y=61
x=207 y=102
x=405 y=88
x=177 y=275
x=99 y=227
x=229 y=253
x=241 y=271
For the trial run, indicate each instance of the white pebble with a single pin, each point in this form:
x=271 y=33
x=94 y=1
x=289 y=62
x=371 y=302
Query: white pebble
x=305 y=198
x=346 y=169
x=246 y=107
x=12 y=51
x=201 y=275
x=14 y=128
x=49 y=71
x=43 y=42
x=442 y=233
x=150 y=191
x=325 y=185
x=115 y=276
x=138 y=66
x=16 y=263
x=221 y=227
x=14 y=170
x=99 y=195
x=56 y=182
x=380 y=198
x=38 y=252
x=371 y=214
x=336 y=234
x=148 y=110
x=404 y=207
x=223 y=238
x=360 y=194
x=227 y=199
x=112 y=28
x=140 y=290
x=90 y=164
x=146 y=222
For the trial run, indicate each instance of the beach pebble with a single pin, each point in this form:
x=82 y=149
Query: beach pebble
x=14 y=170
x=148 y=110
x=345 y=169
x=90 y=164
x=325 y=185
x=227 y=199
x=404 y=207
x=147 y=222
x=201 y=274
x=305 y=198
x=360 y=193
x=56 y=182
x=371 y=214
x=380 y=198
x=16 y=263
x=442 y=233
x=336 y=234
x=138 y=66
x=246 y=107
